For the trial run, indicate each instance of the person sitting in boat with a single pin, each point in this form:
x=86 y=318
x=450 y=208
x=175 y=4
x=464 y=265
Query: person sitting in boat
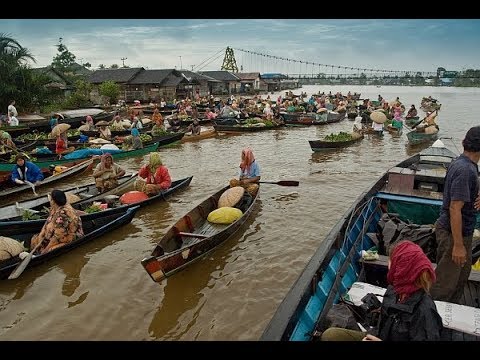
x=175 y=123
x=397 y=122
x=62 y=226
x=358 y=125
x=6 y=142
x=133 y=141
x=412 y=112
x=157 y=117
x=12 y=119
x=136 y=124
x=61 y=144
x=26 y=171
x=154 y=176
x=210 y=115
x=408 y=312
x=249 y=174
x=195 y=127
x=107 y=173
x=103 y=130
x=117 y=124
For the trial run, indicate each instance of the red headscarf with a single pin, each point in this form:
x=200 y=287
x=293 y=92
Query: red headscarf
x=247 y=160
x=407 y=262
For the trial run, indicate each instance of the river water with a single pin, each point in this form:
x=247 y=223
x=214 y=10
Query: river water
x=100 y=291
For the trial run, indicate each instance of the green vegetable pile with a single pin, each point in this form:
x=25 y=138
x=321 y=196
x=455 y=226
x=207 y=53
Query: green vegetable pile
x=341 y=136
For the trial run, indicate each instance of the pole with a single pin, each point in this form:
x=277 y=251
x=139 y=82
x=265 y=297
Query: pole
x=123 y=61
x=181 y=65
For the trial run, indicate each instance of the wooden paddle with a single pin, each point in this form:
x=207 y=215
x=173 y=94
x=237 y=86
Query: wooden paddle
x=419 y=121
x=22 y=266
x=281 y=183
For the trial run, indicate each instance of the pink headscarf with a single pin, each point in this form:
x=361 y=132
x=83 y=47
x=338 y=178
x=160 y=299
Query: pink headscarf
x=89 y=119
x=103 y=160
x=247 y=160
x=408 y=261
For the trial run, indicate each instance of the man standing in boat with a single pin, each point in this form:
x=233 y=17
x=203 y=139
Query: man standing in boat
x=456 y=223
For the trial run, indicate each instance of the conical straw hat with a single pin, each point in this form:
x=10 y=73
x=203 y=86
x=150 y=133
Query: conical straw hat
x=378 y=117
x=60 y=128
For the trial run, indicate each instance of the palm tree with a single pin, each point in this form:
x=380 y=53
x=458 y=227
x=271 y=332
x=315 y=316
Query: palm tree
x=13 y=65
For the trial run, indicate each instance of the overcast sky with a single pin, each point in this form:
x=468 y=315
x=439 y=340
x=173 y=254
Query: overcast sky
x=397 y=44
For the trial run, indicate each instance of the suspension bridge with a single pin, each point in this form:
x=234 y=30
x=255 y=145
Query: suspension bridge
x=244 y=61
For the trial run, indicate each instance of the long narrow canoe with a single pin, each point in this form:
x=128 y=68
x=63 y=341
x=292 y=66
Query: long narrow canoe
x=204 y=134
x=336 y=264
x=8 y=167
x=322 y=145
x=85 y=203
x=190 y=238
x=94 y=226
x=243 y=128
x=10 y=188
x=15 y=210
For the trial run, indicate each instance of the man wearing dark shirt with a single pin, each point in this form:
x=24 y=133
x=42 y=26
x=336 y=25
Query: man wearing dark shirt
x=455 y=226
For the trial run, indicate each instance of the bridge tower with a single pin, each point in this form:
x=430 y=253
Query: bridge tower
x=229 y=62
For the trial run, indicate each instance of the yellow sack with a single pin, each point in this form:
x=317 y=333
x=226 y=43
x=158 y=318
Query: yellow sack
x=224 y=215
x=476 y=266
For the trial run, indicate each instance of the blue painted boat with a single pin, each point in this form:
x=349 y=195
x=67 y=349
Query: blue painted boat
x=414 y=190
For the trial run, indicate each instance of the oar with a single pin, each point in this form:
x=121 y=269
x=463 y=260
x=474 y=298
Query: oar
x=20 y=267
x=419 y=121
x=32 y=186
x=281 y=183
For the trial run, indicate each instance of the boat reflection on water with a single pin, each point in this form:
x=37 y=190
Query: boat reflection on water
x=185 y=292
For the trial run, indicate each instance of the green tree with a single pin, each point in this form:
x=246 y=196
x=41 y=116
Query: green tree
x=81 y=97
x=64 y=60
x=101 y=66
x=111 y=90
x=18 y=82
x=114 y=66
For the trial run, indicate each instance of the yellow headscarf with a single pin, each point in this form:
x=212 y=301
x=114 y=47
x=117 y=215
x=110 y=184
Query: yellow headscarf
x=155 y=161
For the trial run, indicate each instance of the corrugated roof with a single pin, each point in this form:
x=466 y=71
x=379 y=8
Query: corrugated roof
x=172 y=80
x=221 y=75
x=199 y=77
x=248 y=76
x=121 y=75
x=151 y=76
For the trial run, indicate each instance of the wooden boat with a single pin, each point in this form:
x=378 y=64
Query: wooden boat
x=393 y=130
x=311 y=119
x=15 y=210
x=414 y=190
x=243 y=128
x=412 y=120
x=190 y=238
x=322 y=145
x=94 y=226
x=176 y=186
x=73 y=117
x=8 y=187
x=417 y=137
x=113 y=206
x=45 y=163
x=204 y=134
